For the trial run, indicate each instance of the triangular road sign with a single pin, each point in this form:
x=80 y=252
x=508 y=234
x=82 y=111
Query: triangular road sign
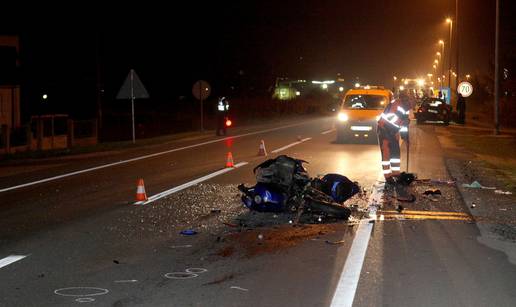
x=137 y=87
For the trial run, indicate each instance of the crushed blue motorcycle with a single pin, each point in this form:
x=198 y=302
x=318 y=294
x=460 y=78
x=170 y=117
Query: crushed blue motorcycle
x=283 y=185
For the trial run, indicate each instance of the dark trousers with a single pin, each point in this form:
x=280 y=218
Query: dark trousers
x=390 y=149
x=221 y=124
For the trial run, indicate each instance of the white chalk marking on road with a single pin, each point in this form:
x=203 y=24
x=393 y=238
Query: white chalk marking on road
x=196 y=270
x=348 y=282
x=290 y=145
x=180 y=275
x=126 y=281
x=10 y=259
x=328 y=131
x=84 y=299
x=181 y=246
x=239 y=288
x=189 y=184
x=76 y=291
x=143 y=157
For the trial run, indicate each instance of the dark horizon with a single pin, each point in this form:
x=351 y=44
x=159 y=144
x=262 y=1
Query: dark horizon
x=235 y=43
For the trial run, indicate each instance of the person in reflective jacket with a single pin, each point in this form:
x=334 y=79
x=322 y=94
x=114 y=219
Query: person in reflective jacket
x=222 y=111
x=392 y=123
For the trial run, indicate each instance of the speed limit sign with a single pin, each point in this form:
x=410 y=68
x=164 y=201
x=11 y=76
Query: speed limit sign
x=465 y=89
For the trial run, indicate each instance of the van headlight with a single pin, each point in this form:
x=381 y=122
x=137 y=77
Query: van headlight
x=343 y=117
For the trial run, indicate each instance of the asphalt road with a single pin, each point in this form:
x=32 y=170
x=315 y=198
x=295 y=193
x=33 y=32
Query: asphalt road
x=85 y=242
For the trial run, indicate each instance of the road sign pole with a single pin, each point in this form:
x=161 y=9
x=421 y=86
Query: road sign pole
x=202 y=115
x=132 y=103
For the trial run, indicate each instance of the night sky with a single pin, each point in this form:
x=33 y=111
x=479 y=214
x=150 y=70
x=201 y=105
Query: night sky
x=239 y=42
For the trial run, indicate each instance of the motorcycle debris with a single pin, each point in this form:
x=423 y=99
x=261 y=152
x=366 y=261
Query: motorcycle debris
x=432 y=192
x=503 y=192
x=188 y=232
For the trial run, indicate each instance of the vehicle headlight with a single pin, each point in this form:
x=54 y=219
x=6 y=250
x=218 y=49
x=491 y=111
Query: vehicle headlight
x=342 y=117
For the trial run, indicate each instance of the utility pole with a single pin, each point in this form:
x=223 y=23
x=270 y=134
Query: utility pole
x=497 y=72
x=457 y=42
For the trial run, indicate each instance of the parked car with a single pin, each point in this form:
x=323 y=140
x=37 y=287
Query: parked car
x=433 y=110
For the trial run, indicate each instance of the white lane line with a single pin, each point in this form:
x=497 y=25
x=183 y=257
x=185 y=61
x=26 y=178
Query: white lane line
x=290 y=145
x=348 y=282
x=10 y=259
x=143 y=157
x=188 y=184
x=328 y=131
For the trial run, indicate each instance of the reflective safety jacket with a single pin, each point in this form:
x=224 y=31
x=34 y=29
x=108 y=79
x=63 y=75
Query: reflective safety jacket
x=222 y=106
x=395 y=116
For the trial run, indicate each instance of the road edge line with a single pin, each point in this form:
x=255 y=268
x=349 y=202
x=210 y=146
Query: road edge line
x=183 y=186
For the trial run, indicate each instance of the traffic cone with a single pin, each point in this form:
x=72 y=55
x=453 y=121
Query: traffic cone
x=140 y=191
x=262 y=151
x=229 y=161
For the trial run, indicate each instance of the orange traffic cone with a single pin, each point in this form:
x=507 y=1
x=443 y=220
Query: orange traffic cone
x=140 y=191
x=262 y=151
x=229 y=161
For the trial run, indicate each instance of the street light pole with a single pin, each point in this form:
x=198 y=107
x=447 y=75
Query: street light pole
x=497 y=72
x=441 y=42
x=457 y=41
x=450 y=52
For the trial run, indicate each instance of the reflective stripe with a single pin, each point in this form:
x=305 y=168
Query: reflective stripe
x=386 y=163
x=387 y=171
x=404 y=129
x=391 y=118
x=396 y=168
x=402 y=110
x=395 y=160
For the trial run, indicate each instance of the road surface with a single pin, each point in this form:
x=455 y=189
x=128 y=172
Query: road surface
x=71 y=233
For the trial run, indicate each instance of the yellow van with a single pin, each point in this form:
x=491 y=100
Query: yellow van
x=359 y=113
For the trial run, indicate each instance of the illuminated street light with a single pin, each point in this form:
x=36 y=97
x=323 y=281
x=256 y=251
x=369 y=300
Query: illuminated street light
x=449 y=20
x=438 y=54
x=435 y=66
x=324 y=86
x=420 y=82
x=468 y=76
x=298 y=93
x=45 y=96
x=395 y=78
x=357 y=84
x=341 y=89
x=406 y=82
x=402 y=88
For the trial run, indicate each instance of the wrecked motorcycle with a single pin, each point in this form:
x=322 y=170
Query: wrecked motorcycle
x=283 y=185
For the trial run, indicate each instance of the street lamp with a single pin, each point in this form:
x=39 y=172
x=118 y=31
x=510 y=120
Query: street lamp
x=394 y=78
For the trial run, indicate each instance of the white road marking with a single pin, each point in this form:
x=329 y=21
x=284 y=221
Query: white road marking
x=290 y=145
x=126 y=280
x=328 y=131
x=10 y=259
x=189 y=184
x=142 y=157
x=348 y=282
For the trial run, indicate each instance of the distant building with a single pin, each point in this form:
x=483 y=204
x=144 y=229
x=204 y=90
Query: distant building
x=9 y=81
